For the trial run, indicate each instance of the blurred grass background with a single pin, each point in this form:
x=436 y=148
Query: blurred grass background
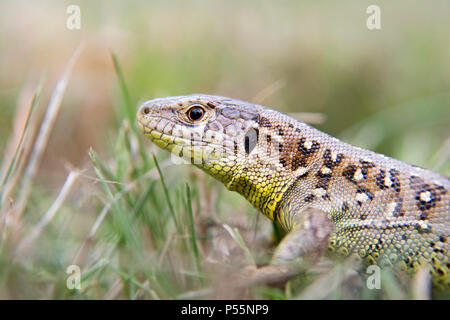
x=139 y=232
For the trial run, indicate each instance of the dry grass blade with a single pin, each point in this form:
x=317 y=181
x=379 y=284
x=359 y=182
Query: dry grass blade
x=44 y=133
x=18 y=149
x=82 y=250
x=13 y=167
x=234 y=233
x=49 y=215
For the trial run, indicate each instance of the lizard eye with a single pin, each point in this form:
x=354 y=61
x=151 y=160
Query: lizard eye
x=195 y=113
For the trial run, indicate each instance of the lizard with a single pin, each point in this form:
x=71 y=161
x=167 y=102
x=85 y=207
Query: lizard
x=328 y=195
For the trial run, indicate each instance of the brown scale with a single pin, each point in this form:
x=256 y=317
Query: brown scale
x=325 y=173
x=294 y=153
x=392 y=191
x=300 y=156
x=434 y=193
x=372 y=179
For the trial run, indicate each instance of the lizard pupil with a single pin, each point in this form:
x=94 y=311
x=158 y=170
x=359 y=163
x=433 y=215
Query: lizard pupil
x=250 y=140
x=195 y=113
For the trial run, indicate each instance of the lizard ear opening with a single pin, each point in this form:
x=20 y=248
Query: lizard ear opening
x=250 y=140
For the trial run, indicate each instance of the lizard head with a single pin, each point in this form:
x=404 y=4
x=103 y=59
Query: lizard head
x=214 y=133
x=227 y=138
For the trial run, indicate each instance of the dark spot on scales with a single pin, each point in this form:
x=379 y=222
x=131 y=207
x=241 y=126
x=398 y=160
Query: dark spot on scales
x=279 y=130
x=329 y=162
x=399 y=212
x=366 y=191
x=380 y=178
x=426 y=205
x=349 y=173
x=307 y=151
x=395 y=180
x=297 y=162
x=264 y=122
x=323 y=180
x=441 y=189
x=345 y=206
x=367 y=164
x=280 y=147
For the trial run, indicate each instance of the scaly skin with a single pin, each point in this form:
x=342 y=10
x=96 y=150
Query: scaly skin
x=383 y=210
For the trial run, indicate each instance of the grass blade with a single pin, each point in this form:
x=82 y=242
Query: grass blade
x=12 y=164
x=166 y=194
x=234 y=233
x=47 y=125
x=50 y=214
x=130 y=111
x=121 y=220
x=192 y=234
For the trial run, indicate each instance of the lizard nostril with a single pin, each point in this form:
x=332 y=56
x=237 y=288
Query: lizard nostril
x=146 y=110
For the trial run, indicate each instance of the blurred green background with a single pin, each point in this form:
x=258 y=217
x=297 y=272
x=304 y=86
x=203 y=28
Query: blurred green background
x=387 y=90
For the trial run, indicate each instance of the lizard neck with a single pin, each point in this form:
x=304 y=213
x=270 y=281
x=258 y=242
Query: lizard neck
x=264 y=189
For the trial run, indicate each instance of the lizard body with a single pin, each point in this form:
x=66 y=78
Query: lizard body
x=383 y=210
